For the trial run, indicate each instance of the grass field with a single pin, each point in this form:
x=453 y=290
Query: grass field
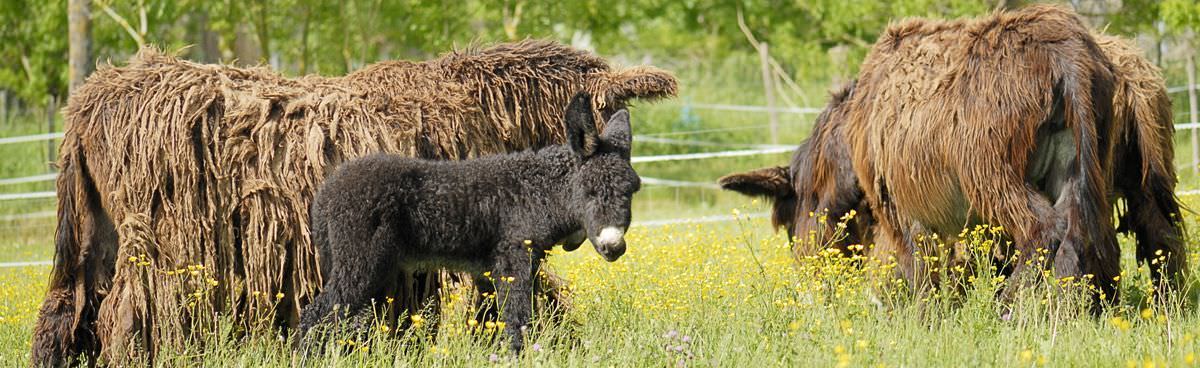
x=730 y=294
x=710 y=294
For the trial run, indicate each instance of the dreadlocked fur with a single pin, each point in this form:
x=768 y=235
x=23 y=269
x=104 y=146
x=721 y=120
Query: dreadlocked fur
x=185 y=188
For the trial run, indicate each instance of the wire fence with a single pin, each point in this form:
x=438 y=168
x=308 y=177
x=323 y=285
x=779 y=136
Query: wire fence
x=660 y=138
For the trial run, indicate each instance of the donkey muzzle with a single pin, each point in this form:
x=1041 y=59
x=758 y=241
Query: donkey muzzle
x=610 y=243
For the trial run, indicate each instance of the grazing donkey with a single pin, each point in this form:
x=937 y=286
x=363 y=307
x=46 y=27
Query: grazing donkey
x=386 y=213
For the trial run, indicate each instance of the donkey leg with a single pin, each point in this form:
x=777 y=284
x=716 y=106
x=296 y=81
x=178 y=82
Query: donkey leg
x=516 y=266
x=1037 y=233
x=1089 y=247
x=358 y=272
x=894 y=248
x=484 y=309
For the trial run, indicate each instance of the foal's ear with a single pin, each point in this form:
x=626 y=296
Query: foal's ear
x=581 y=125
x=772 y=182
x=617 y=132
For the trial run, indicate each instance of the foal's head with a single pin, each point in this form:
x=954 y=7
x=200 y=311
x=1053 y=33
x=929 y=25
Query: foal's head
x=604 y=183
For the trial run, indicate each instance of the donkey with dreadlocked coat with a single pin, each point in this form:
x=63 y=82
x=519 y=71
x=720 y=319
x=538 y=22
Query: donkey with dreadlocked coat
x=184 y=188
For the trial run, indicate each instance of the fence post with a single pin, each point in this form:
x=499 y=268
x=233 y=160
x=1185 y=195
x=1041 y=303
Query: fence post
x=4 y=106
x=1192 y=117
x=51 y=113
x=769 y=87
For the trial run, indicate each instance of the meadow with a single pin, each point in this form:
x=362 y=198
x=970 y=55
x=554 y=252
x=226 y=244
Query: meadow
x=718 y=293
x=727 y=294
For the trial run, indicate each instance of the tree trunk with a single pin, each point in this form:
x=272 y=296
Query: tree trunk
x=261 y=27
x=769 y=90
x=1192 y=118
x=207 y=48
x=245 y=47
x=79 y=54
x=304 y=39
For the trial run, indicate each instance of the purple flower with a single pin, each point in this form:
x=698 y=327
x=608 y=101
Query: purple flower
x=493 y=358
x=679 y=348
x=686 y=338
x=536 y=347
x=671 y=334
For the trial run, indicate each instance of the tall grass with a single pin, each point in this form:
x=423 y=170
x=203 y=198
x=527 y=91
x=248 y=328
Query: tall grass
x=732 y=294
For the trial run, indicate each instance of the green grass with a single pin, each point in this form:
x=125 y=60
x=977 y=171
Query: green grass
x=736 y=307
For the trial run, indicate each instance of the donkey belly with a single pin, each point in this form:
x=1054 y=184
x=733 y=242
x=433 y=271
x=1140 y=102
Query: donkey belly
x=435 y=263
x=1053 y=162
x=937 y=205
x=920 y=181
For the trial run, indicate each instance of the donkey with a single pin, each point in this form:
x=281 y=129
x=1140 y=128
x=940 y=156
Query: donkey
x=820 y=176
x=385 y=213
x=939 y=140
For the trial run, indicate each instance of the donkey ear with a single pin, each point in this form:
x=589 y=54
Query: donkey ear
x=772 y=182
x=617 y=132
x=581 y=125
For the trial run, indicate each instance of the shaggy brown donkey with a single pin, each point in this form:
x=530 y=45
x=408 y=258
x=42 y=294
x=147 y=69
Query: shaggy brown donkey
x=1140 y=133
x=1144 y=174
x=387 y=213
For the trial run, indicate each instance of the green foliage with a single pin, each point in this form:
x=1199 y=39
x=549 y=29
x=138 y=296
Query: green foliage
x=33 y=56
x=333 y=37
x=1181 y=14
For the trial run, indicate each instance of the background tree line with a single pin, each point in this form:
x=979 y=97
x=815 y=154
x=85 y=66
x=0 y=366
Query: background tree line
x=811 y=39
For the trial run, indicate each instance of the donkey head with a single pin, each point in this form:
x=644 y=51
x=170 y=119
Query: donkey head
x=820 y=178
x=602 y=187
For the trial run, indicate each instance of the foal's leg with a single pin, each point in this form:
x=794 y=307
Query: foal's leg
x=359 y=272
x=517 y=263
x=484 y=309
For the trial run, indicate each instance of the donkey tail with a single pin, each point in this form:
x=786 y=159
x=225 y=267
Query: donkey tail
x=1087 y=93
x=614 y=88
x=57 y=337
x=1146 y=178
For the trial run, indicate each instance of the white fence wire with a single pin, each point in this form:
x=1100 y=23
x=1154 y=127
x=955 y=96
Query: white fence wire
x=29 y=179
x=31 y=138
x=757 y=149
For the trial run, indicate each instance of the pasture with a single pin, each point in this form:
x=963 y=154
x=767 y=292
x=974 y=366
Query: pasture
x=724 y=294
x=718 y=293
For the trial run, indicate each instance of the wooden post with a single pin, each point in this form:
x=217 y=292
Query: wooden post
x=79 y=50
x=4 y=106
x=1192 y=116
x=769 y=88
x=51 y=114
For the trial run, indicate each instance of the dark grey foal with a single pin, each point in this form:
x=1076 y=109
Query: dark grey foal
x=383 y=214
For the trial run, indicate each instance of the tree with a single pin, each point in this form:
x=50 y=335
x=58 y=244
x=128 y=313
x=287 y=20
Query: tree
x=79 y=19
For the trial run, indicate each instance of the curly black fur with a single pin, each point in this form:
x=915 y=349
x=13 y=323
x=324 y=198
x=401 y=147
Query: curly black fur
x=383 y=214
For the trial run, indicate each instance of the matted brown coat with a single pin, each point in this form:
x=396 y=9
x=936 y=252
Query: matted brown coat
x=185 y=188
x=1139 y=169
